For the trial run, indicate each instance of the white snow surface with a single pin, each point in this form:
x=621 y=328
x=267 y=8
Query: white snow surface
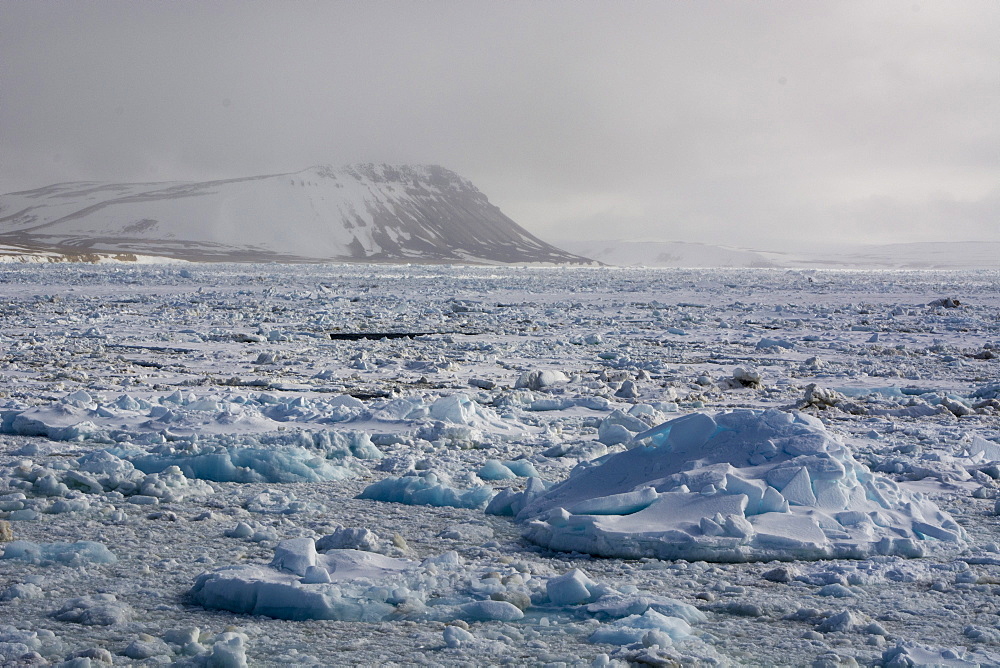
x=320 y=465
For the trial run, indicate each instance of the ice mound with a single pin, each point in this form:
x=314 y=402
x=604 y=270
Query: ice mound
x=305 y=456
x=71 y=554
x=305 y=582
x=739 y=486
x=347 y=585
x=222 y=439
x=427 y=488
x=907 y=654
x=96 y=610
x=636 y=627
x=309 y=579
x=455 y=420
x=81 y=417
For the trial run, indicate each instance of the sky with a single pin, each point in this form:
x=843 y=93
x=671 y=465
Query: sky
x=770 y=125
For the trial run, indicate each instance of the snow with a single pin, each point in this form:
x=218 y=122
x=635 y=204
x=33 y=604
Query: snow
x=193 y=472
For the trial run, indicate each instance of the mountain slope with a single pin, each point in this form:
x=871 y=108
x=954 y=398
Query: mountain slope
x=362 y=213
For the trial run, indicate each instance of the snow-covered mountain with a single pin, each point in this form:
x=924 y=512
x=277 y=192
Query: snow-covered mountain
x=362 y=213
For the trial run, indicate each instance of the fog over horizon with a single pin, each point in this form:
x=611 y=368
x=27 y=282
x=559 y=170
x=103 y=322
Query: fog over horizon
x=760 y=125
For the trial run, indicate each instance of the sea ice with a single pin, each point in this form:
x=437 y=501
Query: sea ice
x=95 y=610
x=355 y=586
x=306 y=581
x=635 y=627
x=427 y=488
x=72 y=554
x=154 y=382
x=909 y=654
x=739 y=486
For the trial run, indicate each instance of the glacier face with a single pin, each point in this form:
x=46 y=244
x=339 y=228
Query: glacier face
x=358 y=213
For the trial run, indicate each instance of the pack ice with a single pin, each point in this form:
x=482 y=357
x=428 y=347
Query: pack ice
x=325 y=579
x=745 y=485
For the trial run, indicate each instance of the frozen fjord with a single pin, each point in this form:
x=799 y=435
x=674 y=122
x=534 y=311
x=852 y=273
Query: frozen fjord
x=184 y=447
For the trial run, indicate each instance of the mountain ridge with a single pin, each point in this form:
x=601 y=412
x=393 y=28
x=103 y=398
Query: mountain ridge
x=367 y=212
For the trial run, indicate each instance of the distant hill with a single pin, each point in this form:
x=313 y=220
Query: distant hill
x=666 y=254
x=918 y=255
x=914 y=255
x=359 y=213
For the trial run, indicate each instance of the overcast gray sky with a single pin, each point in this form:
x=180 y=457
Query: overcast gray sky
x=755 y=124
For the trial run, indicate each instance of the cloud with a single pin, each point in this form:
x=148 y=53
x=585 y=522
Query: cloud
x=715 y=121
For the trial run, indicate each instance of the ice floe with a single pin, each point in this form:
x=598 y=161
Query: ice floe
x=308 y=579
x=737 y=486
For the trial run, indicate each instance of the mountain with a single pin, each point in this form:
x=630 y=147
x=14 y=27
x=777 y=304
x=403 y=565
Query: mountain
x=945 y=255
x=907 y=255
x=666 y=254
x=358 y=213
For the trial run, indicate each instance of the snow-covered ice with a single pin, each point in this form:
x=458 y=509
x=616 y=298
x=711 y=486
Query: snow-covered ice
x=737 y=486
x=395 y=465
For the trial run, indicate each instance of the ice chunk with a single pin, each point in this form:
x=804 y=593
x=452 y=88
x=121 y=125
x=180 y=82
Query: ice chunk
x=264 y=591
x=613 y=434
x=907 y=653
x=614 y=606
x=222 y=463
x=521 y=468
x=632 y=629
x=295 y=555
x=483 y=611
x=640 y=503
x=619 y=428
x=494 y=470
x=73 y=554
x=22 y=590
x=457 y=408
x=572 y=588
x=616 y=504
x=228 y=651
x=540 y=379
x=95 y=610
x=427 y=488
x=350 y=538
x=774 y=343
x=144 y=648
x=351 y=585
x=509 y=502
x=455 y=636
x=990 y=450
x=241 y=530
